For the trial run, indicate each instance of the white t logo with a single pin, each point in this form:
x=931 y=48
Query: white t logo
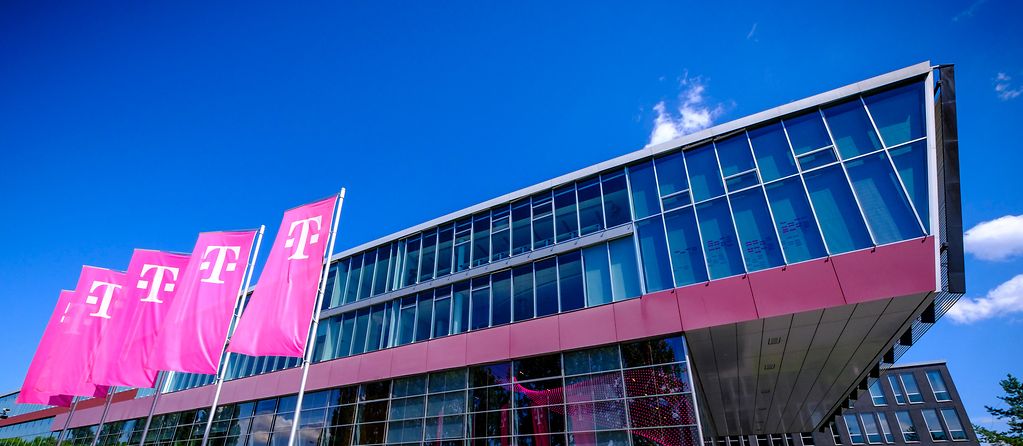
x=157 y=282
x=103 y=300
x=220 y=264
x=304 y=238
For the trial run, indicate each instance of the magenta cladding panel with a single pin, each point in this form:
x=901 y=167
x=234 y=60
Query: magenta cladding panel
x=887 y=271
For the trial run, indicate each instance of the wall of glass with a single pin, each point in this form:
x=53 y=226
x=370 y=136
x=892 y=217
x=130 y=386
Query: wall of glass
x=635 y=393
x=35 y=432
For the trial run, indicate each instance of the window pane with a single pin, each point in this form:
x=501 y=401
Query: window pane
x=912 y=389
x=893 y=381
x=521 y=234
x=654 y=249
x=376 y=323
x=684 y=244
x=366 y=283
x=772 y=151
x=955 y=425
x=480 y=303
x=735 y=155
x=836 y=210
x=463 y=239
x=411 y=265
x=543 y=220
x=546 y=287
x=442 y=315
x=407 y=321
x=719 y=241
x=565 y=218
x=460 y=307
x=336 y=279
x=906 y=425
x=570 y=281
x=591 y=216
x=616 y=199
x=704 y=173
x=938 y=385
x=424 y=316
x=352 y=291
x=870 y=427
x=500 y=237
x=885 y=428
x=671 y=174
x=502 y=299
x=444 y=245
x=624 y=269
x=326 y=338
x=807 y=132
x=429 y=255
x=645 y=200
x=934 y=426
x=522 y=283
x=911 y=161
x=344 y=346
x=598 y=275
x=359 y=337
x=853 y=425
x=899 y=113
x=481 y=239
x=851 y=128
x=885 y=205
x=876 y=394
x=756 y=230
x=380 y=275
x=795 y=223
x=818 y=158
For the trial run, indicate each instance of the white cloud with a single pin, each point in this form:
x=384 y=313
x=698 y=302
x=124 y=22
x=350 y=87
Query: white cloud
x=1005 y=89
x=1005 y=299
x=968 y=12
x=998 y=239
x=751 y=35
x=694 y=113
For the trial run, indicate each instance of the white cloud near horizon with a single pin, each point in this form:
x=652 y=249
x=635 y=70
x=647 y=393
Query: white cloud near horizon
x=694 y=113
x=1004 y=87
x=996 y=240
x=1004 y=300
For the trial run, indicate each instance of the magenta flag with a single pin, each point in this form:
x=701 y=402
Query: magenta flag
x=29 y=394
x=193 y=332
x=68 y=371
x=277 y=318
x=127 y=341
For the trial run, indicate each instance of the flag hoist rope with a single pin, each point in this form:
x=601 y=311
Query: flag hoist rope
x=67 y=422
x=311 y=343
x=239 y=305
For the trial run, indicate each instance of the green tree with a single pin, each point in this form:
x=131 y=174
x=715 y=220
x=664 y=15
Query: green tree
x=1013 y=415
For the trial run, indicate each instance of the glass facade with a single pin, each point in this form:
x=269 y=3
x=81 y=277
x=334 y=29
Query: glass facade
x=634 y=393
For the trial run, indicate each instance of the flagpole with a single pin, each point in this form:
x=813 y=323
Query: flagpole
x=239 y=305
x=311 y=344
x=67 y=422
x=103 y=418
x=152 y=409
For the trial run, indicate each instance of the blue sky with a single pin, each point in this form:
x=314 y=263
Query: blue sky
x=138 y=124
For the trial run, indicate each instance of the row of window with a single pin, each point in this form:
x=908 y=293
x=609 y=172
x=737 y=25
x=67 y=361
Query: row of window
x=26 y=433
x=905 y=389
x=636 y=393
x=832 y=180
x=873 y=427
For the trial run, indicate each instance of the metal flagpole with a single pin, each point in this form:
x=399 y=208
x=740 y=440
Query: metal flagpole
x=152 y=409
x=67 y=422
x=238 y=307
x=102 y=418
x=311 y=344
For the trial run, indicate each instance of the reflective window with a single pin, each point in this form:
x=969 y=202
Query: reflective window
x=424 y=316
x=837 y=211
x=955 y=425
x=774 y=158
x=411 y=264
x=382 y=270
x=654 y=248
x=407 y=321
x=546 y=287
x=352 y=290
x=460 y=307
x=591 y=214
x=853 y=425
x=597 y=275
x=366 y=283
x=909 y=433
x=938 y=385
x=912 y=389
x=934 y=425
x=624 y=269
x=566 y=219
x=870 y=427
x=684 y=245
x=719 y=241
x=886 y=206
x=522 y=288
x=463 y=242
x=359 y=336
x=521 y=234
x=911 y=162
x=900 y=398
x=442 y=312
x=429 y=256
x=756 y=231
x=501 y=288
x=570 y=281
x=899 y=113
x=851 y=128
x=616 y=199
x=886 y=429
x=645 y=198
x=704 y=174
x=794 y=220
x=445 y=239
x=376 y=325
x=480 y=303
x=876 y=394
x=500 y=236
x=481 y=239
x=807 y=133
x=543 y=220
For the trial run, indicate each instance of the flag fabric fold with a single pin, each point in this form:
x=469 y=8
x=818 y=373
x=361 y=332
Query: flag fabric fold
x=127 y=341
x=277 y=319
x=92 y=306
x=28 y=393
x=195 y=327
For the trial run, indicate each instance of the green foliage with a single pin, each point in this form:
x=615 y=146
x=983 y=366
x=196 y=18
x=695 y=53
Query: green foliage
x=1013 y=415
